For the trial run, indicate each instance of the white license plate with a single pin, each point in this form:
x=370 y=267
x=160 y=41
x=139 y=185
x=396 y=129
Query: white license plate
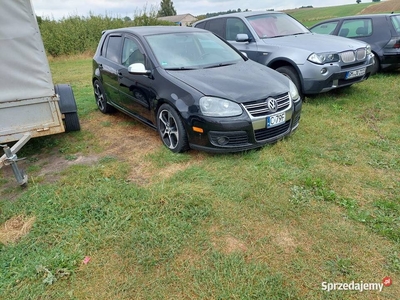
x=355 y=73
x=276 y=120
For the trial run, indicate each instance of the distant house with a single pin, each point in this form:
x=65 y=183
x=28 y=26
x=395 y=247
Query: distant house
x=183 y=20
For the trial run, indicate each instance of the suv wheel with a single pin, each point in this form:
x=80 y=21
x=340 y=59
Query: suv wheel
x=291 y=73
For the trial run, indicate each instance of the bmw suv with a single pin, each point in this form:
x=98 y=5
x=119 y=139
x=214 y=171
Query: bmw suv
x=315 y=63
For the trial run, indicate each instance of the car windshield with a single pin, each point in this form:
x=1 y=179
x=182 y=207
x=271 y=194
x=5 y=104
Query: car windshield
x=194 y=50
x=276 y=25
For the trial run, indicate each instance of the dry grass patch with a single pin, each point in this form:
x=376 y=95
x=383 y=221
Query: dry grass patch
x=15 y=228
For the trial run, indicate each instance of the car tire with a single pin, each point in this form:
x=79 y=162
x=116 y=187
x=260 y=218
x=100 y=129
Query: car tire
x=101 y=98
x=376 y=66
x=291 y=73
x=171 y=129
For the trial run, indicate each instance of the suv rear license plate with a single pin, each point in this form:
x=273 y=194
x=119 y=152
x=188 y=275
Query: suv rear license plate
x=355 y=73
x=276 y=120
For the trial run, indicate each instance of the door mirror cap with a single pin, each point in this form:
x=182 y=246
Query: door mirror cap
x=138 y=69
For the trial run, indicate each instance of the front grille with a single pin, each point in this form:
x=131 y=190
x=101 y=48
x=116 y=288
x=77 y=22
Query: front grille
x=348 y=56
x=260 y=108
x=270 y=133
x=361 y=53
x=351 y=56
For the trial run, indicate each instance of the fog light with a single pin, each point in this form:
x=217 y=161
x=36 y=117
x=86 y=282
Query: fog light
x=324 y=71
x=222 y=140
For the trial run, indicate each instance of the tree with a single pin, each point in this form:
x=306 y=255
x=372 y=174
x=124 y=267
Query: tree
x=167 y=9
x=358 y=1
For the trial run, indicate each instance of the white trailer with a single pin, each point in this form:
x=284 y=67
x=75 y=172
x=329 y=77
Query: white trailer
x=30 y=105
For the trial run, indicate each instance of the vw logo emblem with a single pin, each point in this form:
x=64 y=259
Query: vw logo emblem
x=272 y=104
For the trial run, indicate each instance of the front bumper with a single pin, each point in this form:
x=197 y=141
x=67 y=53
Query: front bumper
x=240 y=133
x=315 y=82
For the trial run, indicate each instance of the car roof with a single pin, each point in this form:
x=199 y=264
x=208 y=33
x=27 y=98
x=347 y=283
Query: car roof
x=243 y=14
x=150 y=30
x=360 y=17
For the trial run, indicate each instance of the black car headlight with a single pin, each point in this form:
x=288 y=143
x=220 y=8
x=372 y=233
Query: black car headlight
x=217 y=107
x=323 y=58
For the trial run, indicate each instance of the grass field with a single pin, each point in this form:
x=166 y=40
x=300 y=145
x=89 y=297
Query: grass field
x=109 y=213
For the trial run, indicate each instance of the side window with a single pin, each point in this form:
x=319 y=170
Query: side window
x=357 y=28
x=396 y=22
x=326 y=28
x=216 y=26
x=235 y=26
x=113 y=48
x=201 y=25
x=131 y=53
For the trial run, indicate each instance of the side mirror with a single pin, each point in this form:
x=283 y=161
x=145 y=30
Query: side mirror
x=138 y=69
x=242 y=37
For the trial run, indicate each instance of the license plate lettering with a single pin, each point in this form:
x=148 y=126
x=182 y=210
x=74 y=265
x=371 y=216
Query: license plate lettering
x=355 y=73
x=276 y=120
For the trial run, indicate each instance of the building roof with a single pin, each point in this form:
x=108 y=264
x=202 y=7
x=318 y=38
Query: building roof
x=176 y=18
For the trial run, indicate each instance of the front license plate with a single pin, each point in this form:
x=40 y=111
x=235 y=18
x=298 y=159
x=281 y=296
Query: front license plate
x=355 y=73
x=276 y=120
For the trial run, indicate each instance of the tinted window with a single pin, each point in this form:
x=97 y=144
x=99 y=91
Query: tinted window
x=217 y=26
x=326 y=28
x=201 y=25
x=356 y=28
x=113 y=48
x=235 y=26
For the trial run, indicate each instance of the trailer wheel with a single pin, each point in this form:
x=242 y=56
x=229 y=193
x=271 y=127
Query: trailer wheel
x=68 y=107
x=71 y=121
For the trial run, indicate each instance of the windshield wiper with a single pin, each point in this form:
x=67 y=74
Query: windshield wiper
x=180 y=69
x=218 y=65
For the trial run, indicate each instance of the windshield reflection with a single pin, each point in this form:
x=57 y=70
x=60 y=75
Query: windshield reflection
x=276 y=25
x=188 y=51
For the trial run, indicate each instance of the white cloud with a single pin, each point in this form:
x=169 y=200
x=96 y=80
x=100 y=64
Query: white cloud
x=64 y=8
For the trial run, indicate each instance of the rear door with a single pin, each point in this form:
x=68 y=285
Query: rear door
x=109 y=63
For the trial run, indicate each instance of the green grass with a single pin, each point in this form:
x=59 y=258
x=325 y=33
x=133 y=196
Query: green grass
x=320 y=206
x=310 y=16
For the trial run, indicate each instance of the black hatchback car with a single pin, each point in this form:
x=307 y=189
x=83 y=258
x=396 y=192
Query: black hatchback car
x=194 y=88
x=381 y=31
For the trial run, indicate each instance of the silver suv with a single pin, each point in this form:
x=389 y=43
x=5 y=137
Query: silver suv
x=315 y=63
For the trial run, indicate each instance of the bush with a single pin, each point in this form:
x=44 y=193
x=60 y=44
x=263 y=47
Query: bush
x=75 y=34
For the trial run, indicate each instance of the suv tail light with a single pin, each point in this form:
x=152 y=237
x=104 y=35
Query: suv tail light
x=394 y=43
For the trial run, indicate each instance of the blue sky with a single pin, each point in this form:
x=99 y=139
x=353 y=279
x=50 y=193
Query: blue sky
x=120 y=8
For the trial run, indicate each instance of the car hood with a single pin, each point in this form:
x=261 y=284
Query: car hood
x=241 y=82
x=314 y=42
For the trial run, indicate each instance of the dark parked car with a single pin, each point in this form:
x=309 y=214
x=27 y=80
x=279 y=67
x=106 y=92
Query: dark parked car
x=195 y=89
x=314 y=62
x=381 y=31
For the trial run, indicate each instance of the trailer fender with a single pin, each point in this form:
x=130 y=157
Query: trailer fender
x=68 y=107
